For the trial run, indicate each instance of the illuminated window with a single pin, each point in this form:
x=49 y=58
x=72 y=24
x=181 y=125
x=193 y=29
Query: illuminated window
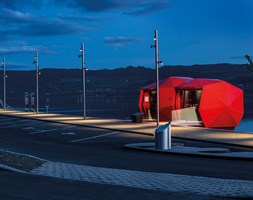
x=187 y=98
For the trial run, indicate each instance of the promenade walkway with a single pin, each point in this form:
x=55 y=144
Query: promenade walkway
x=149 y=180
x=147 y=127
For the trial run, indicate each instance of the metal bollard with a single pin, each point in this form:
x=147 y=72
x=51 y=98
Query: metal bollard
x=163 y=137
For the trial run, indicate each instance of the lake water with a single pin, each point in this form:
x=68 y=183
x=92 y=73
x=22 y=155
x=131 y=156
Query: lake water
x=246 y=125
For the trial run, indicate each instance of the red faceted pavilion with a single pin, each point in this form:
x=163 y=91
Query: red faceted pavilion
x=215 y=103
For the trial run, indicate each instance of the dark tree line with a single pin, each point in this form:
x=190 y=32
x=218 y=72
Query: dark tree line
x=250 y=65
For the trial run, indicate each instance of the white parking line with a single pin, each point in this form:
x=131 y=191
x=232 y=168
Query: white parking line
x=98 y=136
x=69 y=133
x=13 y=121
x=44 y=131
x=68 y=127
x=6 y=119
x=28 y=128
x=17 y=125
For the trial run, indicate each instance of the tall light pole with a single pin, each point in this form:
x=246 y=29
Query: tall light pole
x=83 y=78
x=4 y=65
x=157 y=62
x=36 y=62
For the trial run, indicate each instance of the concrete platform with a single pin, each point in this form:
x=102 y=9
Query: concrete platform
x=147 y=127
x=193 y=151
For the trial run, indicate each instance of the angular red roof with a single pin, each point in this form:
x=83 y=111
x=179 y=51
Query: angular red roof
x=198 y=83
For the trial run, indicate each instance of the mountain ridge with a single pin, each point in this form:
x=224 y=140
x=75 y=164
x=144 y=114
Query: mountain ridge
x=67 y=83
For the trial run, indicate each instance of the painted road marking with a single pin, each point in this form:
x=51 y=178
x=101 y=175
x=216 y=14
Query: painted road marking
x=28 y=128
x=6 y=119
x=69 y=133
x=68 y=127
x=13 y=121
x=44 y=131
x=17 y=125
x=98 y=136
x=2 y=117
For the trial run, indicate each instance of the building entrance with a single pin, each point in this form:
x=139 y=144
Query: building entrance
x=152 y=104
x=187 y=104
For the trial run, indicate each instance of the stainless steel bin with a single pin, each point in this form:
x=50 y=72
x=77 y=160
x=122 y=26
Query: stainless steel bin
x=163 y=137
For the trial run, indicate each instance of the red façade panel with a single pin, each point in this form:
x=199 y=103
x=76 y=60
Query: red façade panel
x=221 y=105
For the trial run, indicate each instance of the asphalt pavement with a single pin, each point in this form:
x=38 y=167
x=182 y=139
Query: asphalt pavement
x=105 y=148
x=86 y=146
x=147 y=127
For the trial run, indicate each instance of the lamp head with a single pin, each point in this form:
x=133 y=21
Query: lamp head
x=160 y=62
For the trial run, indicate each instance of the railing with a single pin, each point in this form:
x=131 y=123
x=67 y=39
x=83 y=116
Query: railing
x=6 y=105
x=186 y=116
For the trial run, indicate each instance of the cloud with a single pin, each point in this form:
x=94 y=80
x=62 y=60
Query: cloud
x=19 y=47
x=119 y=41
x=239 y=57
x=8 y=16
x=80 y=18
x=146 y=7
x=28 y=25
x=17 y=66
x=49 y=28
x=25 y=24
x=129 y=7
x=93 y=6
x=17 y=4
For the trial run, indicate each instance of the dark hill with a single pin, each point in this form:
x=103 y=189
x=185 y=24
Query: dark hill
x=64 y=85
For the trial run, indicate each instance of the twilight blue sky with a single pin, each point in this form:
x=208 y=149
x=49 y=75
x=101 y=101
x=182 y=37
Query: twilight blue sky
x=118 y=33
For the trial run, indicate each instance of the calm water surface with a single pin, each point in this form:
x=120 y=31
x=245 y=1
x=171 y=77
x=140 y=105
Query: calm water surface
x=246 y=125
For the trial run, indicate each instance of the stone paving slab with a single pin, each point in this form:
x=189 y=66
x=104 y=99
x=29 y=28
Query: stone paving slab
x=149 y=180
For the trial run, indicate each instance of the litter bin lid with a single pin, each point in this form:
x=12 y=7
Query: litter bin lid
x=162 y=128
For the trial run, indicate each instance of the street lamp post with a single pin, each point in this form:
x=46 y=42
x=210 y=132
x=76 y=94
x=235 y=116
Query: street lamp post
x=83 y=78
x=157 y=62
x=36 y=62
x=4 y=74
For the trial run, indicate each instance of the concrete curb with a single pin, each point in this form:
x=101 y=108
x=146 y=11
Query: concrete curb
x=22 y=154
x=12 y=169
x=220 y=153
x=214 y=142
x=18 y=162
